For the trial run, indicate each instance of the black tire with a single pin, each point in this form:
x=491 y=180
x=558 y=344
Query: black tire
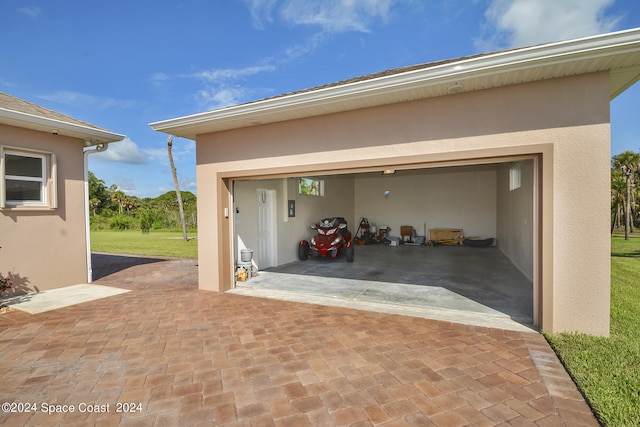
x=303 y=252
x=349 y=253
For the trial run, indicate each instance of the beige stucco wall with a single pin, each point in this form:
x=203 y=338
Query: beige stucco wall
x=564 y=121
x=515 y=217
x=45 y=249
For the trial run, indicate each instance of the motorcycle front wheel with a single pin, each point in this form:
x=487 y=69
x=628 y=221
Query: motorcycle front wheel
x=349 y=254
x=303 y=251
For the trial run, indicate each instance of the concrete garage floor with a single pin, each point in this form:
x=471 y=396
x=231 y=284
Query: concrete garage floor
x=456 y=283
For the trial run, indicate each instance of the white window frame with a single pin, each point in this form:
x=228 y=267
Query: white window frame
x=515 y=176
x=48 y=198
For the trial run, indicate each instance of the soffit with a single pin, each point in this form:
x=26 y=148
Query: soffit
x=618 y=53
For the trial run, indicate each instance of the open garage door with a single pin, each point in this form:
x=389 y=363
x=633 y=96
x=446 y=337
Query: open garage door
x=492 y=200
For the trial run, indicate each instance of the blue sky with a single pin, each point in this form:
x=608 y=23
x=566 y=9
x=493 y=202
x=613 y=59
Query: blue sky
x=124 y=64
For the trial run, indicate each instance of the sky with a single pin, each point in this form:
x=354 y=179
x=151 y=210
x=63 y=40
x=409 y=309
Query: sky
x=122 y=64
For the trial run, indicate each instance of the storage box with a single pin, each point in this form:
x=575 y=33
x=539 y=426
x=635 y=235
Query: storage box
x=451 y=236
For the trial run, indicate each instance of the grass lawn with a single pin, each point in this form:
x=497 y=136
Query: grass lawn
x=608 y=369
x=156 y=243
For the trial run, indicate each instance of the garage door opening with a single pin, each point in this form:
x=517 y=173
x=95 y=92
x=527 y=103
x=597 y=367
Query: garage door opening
x=495 y=200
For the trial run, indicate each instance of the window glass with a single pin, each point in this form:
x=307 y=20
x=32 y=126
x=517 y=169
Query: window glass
x=30 y=191
x=23 y=166
x=24 y=178
x=515 y=176
x=311 y=187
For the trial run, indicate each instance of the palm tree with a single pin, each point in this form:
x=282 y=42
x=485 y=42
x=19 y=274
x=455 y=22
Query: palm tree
x=618 y=191
x=628 y=163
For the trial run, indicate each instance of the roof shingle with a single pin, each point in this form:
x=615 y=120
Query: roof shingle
x=12 y=103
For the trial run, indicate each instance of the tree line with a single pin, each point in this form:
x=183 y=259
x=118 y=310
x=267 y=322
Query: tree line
x=112 y=209
x=625 y=199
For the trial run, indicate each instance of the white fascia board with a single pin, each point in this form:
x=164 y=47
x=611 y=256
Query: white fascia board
x=90 y=134
x=501 y=62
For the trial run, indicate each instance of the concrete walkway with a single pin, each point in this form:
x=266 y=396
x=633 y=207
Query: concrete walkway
x=166 y=353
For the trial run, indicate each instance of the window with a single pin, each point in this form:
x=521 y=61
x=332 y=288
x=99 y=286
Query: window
x=311 y=187
x=515 y=176
x=26 y=180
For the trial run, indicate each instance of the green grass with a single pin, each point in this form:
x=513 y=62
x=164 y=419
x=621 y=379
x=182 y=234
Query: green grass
x=156 y=243
x=607 y=370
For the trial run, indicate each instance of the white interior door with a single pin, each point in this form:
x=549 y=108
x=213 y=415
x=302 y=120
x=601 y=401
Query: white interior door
x=267 y=241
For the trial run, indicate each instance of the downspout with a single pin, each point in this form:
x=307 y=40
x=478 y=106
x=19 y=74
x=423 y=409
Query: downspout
x=98 y=149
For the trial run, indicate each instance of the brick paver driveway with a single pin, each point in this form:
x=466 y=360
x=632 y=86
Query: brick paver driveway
x=167 y=354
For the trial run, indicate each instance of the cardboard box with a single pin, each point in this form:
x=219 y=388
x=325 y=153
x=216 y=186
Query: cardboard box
x=447 y=235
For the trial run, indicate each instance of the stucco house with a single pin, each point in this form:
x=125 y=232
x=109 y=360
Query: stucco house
x=522 y=136
x=44 y=234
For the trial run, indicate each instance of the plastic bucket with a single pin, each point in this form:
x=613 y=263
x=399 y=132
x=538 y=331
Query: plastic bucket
x=244 y=271
x=246 y=255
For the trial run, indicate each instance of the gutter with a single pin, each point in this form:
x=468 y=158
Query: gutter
x=99 y=148
x=58 y=126
x=515 y=60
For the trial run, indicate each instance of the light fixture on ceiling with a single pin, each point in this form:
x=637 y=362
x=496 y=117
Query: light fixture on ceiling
x=388 y=172
x=456 y=88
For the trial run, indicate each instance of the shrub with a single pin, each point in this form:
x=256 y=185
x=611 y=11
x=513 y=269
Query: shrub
x=120 y=222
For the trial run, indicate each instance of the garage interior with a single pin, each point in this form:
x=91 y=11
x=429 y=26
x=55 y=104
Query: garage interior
x=495 y=200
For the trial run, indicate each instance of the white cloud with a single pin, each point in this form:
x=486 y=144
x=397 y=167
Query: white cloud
x=261 y=11
x=221 y=90
x=186 y=184
x=180 y=149
x=67 y=97
x=337 y=15
x=158 y=78
x=223 y=96
x=6 y=83
x=232 y=73
x=125 y=151
x=31 y=12
x=516 y=23
x=127 y=186
x=306 y=48
x=330 y=15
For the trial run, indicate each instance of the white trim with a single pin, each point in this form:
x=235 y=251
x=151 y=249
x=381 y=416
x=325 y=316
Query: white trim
x=583 y=49
x=42 y=179
x=87 y=221
x=49 y=180
x=90 y=134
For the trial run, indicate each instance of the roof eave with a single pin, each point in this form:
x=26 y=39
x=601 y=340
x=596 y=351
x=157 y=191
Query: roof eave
x=514 y=60
x=91 y=135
